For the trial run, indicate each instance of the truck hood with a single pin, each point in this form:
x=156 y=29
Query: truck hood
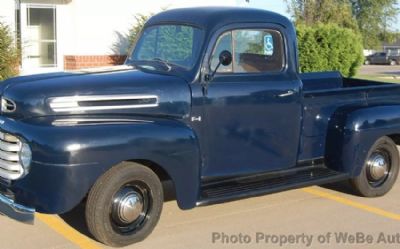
x=119 y=90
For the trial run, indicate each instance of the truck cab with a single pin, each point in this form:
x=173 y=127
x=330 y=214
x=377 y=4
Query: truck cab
x=210 y=99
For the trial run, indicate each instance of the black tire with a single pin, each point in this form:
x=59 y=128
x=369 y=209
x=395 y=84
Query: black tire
x=365 y=184
x=102 y=216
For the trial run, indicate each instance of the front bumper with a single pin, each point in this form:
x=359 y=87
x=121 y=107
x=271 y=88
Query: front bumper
x=16 y=211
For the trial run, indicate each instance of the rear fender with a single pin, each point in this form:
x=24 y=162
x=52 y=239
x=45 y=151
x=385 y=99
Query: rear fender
x=353 y=131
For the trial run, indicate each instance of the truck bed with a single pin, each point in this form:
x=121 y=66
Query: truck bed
x=324 y=93
x=333 y=80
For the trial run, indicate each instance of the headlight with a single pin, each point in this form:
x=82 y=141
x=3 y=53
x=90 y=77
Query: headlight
x=25 y=156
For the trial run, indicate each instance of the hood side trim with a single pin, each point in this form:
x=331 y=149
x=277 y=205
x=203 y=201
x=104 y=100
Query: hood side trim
x=102 y=102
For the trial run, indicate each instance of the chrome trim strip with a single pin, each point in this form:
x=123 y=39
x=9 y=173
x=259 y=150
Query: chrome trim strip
x=9 y=147
x=78 y=121
x=10 y=175
x=9 y=156
x=71 y=103
x=10 y=166
x=16 y=211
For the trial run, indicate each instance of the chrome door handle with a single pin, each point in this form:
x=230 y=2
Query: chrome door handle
x=287 y=94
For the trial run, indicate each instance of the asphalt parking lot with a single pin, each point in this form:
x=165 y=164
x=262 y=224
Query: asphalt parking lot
x=313 y=217
x=380 y=69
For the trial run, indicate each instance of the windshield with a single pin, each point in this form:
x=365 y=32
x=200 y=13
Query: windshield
x=177 y=45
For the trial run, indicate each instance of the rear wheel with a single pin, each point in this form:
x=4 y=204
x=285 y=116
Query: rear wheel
x=124 y=205
x=367 y=62
x=380 y=169
x=393 y=63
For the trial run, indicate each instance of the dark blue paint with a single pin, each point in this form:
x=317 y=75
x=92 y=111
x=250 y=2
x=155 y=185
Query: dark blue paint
x=32 y=97
x=60 y=178
x=245 y=129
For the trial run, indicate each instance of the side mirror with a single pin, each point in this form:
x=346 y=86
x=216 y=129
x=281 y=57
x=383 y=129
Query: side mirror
x=225 y=59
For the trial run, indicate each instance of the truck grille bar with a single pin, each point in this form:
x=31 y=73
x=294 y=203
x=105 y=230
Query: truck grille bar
x=10 y=167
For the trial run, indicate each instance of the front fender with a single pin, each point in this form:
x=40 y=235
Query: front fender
x=353 y=131
x=70 y=154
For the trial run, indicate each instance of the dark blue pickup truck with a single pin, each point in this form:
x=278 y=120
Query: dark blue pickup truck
x=210 y=99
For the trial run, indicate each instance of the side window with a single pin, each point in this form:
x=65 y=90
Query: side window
x=254 y=51
x=224 y=43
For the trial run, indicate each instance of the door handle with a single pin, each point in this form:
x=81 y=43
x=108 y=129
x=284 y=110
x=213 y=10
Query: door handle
x=286 y=94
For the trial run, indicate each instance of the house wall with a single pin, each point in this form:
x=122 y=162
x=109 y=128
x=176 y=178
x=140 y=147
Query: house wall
x=101 y=27
x=94 y=33
x=7 y=13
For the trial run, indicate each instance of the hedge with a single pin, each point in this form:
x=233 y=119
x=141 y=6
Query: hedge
x=9 y=57
x=327 y=47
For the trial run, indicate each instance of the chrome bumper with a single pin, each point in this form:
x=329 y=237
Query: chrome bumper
x=16 y=211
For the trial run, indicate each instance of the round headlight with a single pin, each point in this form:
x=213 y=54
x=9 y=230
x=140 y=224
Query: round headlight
x=25 y=156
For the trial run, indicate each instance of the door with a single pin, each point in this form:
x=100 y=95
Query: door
x=382 y=58
x=39 y=38
x=252 y=107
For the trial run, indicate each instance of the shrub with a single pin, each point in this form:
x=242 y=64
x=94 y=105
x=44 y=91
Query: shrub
x=327 y=47
x=9 y=57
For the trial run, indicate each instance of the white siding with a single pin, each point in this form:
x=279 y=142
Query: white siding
x=92 y=27
x=7 y=13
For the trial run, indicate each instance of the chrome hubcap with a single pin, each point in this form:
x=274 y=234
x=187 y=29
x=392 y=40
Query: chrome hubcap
x=128 y=206
x=378 y=166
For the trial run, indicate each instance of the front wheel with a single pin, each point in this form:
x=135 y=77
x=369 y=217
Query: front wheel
x=124 y=205
x=380 y=169
x=393 y=63
x=367 y=62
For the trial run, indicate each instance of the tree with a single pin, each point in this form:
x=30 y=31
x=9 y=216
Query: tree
x=9 y=56
x=140 y=21
x=312 y=12
x=374 y=18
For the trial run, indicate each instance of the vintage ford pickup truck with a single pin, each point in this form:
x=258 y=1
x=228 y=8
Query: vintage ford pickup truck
x=210 y=99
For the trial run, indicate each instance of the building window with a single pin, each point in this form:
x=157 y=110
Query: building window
x=41 y=47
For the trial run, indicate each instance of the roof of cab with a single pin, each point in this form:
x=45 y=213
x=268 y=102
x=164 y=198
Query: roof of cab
x=213 y=17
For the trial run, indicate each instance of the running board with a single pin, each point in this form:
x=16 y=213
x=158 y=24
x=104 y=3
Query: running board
x=250 y=186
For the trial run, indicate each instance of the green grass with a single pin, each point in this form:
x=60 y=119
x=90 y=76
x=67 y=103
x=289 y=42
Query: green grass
x=379 y=77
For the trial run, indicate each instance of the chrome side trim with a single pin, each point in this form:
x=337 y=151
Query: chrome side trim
x=72 y=103
x=16 y=211
x=87 y=121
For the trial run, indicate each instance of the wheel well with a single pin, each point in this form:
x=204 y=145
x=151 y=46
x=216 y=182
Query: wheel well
x=395 y=138
x=165 y=178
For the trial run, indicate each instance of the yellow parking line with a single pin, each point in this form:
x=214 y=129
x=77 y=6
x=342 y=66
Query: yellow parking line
x=348 y=202
x=67 y=232
x=86 y=243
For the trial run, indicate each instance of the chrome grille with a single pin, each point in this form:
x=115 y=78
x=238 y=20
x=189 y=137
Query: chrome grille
x=10 y=167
